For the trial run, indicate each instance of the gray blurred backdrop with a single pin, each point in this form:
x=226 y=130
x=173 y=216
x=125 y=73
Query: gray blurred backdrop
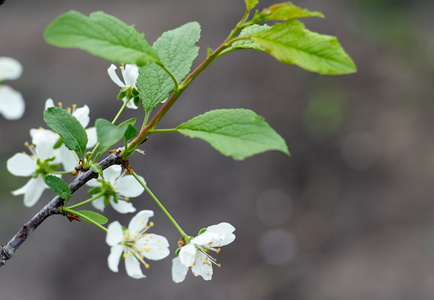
x=349 y=216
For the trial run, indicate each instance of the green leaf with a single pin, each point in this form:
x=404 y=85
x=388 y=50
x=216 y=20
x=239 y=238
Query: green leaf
x=177 y=49
x=101 y=35
x=250 y=4
x=96 y=217
x=238 y=133
x=131 y=122
x=284 y=11
x=97 y=169
x=59 y=186
x=68 y=127
x=108 y=134
x=291 y=43
x=130 y=132
x=246 y=32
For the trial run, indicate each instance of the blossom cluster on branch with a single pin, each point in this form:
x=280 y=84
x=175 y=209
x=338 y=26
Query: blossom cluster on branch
x=153 y=78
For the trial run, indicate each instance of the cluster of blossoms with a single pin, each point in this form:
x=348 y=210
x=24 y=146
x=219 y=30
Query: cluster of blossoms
x=45 y=157
x=133 y=244
x=11 y=101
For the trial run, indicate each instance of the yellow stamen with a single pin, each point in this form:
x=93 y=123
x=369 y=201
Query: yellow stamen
x=147 y=266
x=218 y=250
x=59 y=104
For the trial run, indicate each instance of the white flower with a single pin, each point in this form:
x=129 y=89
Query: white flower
x=195 y=255
x=37 y=165
x=129 y=74
x=116 y=189
x=134 y=244
x=82 y=114
x=11 y=102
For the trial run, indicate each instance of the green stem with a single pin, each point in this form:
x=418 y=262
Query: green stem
x=162 y=130
x=161 y=206
x=60 y=172
x=68 y=210
x=121 y=110
x=86 y=201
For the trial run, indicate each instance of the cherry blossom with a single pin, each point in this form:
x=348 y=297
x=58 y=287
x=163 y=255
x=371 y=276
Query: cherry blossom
x=42 y=161
x=116 y=189
x=129 y=74
x=195 y=255
x=135 y=244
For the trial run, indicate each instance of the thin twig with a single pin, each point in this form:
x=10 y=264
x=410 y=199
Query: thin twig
x=52 y=208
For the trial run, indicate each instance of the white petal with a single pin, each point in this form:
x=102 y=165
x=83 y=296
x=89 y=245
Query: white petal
x=115 y=234
x=130 y=74
x=113 y=76
x=91 y=137
x=12 y=104
x=128 y=186
x=21 y=165
x=130 y=104
x=10 y=68
x=22 y=190
x=35 y=188
x=206 y=238
x=114 y=257
x=99 y=203
x=132 y=266
x=187 y=255
x=224 y=230
x=93 y=183
x=159 y=246
x=112 y=173
x=82 y=115
x=122 y=206
x=67 y=159
x=44 y=141
x=202 y=267
x=139 y=221
x=49 y=103
x=179 y=271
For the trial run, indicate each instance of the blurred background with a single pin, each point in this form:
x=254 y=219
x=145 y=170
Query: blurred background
x=350 y=215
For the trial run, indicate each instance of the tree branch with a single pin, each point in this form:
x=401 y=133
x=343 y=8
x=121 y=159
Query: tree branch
x=52 y=208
